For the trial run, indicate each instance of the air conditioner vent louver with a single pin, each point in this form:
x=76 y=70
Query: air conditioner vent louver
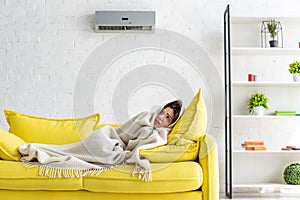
x=116 y=21
x=124 y=28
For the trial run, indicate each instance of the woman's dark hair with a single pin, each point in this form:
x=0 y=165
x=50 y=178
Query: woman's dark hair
x=176 y=106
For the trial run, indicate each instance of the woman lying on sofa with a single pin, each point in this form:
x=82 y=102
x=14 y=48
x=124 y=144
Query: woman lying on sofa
x=106 y=147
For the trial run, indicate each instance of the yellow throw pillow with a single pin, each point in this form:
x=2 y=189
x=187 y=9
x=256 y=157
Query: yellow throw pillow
x=173 y=153
x=9 y=144
x=186 y=137
x=192 y=124
x=33 y=129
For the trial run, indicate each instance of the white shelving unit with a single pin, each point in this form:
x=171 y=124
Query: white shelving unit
x=265 y=84
x=265 y=51
x=261 y=171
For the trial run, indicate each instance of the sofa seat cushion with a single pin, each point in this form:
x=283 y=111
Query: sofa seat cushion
x=83 y=195
x=166 y=178
x=15 y=176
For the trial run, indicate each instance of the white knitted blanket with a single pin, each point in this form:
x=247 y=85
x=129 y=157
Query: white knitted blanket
x=103 y=149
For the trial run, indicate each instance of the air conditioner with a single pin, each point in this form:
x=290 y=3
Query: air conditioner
x=116 y=21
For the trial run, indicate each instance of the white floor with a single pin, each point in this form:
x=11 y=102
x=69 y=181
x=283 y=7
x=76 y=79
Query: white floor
x=244 y=196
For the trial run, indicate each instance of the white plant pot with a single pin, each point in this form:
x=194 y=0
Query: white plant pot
x=259 y=111
x=296 y=77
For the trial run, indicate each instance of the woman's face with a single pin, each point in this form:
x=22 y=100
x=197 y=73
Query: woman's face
x=164 y=118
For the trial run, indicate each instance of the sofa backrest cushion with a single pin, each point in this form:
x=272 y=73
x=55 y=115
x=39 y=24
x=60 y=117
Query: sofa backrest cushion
x=33 y=129
x=192 y=124
x=9 y=144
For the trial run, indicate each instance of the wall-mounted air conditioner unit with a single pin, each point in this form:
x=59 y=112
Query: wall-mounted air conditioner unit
x=116 y=21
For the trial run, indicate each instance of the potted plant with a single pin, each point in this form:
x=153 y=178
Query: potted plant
x=291 y=174
x=294 y=68
x=272 y=28
x=257 y=104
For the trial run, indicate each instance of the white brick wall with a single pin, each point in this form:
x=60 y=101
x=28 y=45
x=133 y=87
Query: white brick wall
x=43 y=45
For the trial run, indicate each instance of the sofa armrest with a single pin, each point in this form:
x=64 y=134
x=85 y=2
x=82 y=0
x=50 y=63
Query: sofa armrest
x=208 y=158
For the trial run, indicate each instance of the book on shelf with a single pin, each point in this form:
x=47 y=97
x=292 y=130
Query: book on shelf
x=285 y=113
x=286 y=149
x=254 y=145
x=293 y=147
x=256 y=148
x=290 y=148
x=253 y=142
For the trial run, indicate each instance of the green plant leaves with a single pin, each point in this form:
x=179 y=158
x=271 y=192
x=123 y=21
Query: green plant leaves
x=257 y=99
x=294 y=67
x=291 y=174
x=272 y=27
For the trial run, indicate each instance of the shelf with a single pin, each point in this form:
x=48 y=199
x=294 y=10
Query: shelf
x=267 y=188
x=252 y=20
x=265 y=84
x=263 y=117
x=264 y=51
x=266 y=152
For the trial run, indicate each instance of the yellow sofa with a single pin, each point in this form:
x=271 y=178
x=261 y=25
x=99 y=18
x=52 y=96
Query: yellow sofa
x=194 y=175
x=188 y=180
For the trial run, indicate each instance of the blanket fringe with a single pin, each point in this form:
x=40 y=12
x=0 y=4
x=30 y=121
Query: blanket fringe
x=69 y=173
x=143 y=174
x=50 y=172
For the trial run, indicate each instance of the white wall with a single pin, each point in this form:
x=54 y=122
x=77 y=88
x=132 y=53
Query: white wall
x=45 y=44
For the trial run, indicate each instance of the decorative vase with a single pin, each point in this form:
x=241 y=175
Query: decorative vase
x=273 y=43
x=296 y=77
x=259 y=110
